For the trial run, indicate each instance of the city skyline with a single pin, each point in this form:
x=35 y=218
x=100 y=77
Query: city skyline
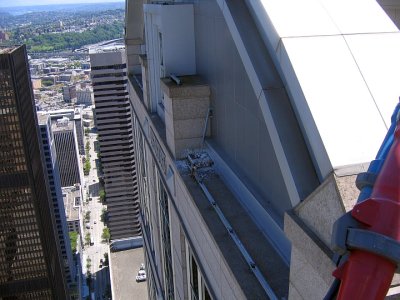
x=50 y=2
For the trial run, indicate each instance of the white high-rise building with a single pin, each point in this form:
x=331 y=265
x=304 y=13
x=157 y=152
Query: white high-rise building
x=114 y=125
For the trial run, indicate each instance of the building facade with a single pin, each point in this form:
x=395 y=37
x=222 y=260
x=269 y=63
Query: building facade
x=79 y=130
x=117 y=156
x=250 y=126
x=72 y=199
x=69 y=92
x=67 y=151
x=84 y=97
x=31 y=261
x=75 y=115
x=53 y=174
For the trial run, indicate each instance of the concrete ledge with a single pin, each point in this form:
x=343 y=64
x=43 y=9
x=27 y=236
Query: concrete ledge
x=192 y=87
x=311 y=265
x=347 y=190
x=304 y=239
x=134 y=41
x=186 y=129
x=143 y=60
x=187 y=108
x=321 y=209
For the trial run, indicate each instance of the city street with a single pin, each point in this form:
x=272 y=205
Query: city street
x=97 y=249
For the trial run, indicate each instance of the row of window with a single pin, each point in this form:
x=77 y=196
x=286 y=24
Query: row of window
x=109 y=89
x=196 y=288
x=108 y=82
x=115 y=67
x=120 y=74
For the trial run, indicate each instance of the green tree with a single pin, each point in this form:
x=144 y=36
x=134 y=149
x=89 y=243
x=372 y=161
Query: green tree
x=86 y=167
x=47 y=82
x=103 y=215
x=73 y=236
x=102 y=196
x=87 y=239
x=87 y=217
x=88 y=264
x=87 y=147
x=105 y=236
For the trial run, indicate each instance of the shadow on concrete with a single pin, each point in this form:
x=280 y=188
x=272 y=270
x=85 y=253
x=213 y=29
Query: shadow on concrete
x=100 y=284
x=94 y=189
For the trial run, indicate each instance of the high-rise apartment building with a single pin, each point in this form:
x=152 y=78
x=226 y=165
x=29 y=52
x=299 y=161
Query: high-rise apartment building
x=251 y=122
x=67 y=151
x=117 y=156
x=53 y=174
x=30 y=259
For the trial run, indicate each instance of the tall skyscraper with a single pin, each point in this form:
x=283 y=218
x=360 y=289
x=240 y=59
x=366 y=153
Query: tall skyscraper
x=251 y=122
x=53 y=175
x=114 y=125
x=30 y=259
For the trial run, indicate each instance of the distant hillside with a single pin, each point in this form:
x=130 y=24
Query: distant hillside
x=67 y=27
x=74 y=40
x=85 y=7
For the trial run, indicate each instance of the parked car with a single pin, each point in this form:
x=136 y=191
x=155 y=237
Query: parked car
x=141 y=276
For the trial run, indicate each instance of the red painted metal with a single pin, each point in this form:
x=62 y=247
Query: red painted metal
x=366 y=275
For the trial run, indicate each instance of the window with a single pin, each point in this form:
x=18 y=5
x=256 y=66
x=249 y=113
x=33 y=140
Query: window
x=194 y=279
x=197 y=288
x=166 y=240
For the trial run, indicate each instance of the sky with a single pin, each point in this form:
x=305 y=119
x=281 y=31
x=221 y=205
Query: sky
x=8 y=3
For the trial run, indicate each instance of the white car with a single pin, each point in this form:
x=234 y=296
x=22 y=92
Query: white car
x=141 y=276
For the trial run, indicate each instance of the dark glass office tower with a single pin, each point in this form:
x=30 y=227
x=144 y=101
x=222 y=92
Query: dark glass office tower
x=30 y=260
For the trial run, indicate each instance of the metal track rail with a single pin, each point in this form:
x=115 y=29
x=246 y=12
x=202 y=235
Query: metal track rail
x=253 y=267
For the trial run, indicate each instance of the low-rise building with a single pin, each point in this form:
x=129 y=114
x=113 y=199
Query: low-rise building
x=65 y=77
x=36 y=83
x=72 y=197
x=49 y=80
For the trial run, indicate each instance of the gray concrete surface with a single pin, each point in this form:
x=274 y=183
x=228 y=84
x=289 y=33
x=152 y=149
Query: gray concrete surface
x=124 y=268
